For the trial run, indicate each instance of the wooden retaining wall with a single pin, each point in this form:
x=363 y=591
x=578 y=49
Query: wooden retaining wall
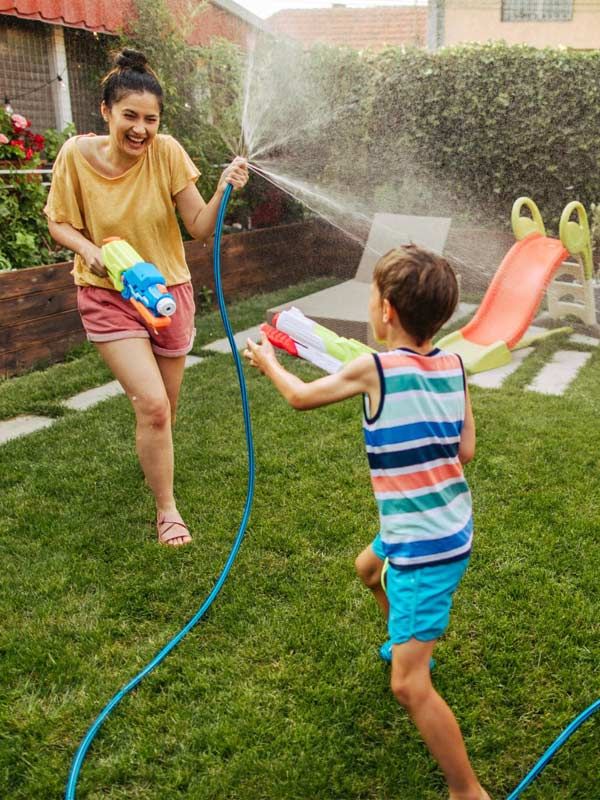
x=39 y=322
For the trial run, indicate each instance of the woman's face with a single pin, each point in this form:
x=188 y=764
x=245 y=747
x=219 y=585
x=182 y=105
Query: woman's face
x=133 y=122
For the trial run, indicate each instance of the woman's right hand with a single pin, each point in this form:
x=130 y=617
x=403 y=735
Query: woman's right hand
x=92 y=256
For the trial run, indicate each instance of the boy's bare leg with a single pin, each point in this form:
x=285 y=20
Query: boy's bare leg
x=368 y=568
x=412 y=687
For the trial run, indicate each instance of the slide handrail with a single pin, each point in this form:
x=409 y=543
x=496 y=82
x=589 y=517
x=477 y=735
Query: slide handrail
x=524 y=226
x=575 y=235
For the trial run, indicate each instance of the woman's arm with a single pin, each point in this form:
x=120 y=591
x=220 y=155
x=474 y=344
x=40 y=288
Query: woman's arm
x=466 y=448
x=200 y=217
x=358 y=377
x=64 y=233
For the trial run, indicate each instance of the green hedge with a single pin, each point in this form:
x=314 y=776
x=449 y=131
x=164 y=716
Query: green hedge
x=462 y=131
x=495 y=121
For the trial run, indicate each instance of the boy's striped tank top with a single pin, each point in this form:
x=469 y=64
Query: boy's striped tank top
x=412 y=444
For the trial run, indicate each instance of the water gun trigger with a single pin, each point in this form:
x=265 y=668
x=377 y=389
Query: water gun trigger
x=279 y=339
x=147 y=316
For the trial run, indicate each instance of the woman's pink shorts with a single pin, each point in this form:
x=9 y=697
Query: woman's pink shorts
x=106 y=317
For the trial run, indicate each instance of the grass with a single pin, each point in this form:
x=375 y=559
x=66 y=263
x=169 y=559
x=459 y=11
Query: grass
x=41 y=392
x=279 y=694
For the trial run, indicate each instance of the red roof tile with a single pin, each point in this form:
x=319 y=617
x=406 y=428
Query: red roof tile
x=103 y=16
x=354 y=27
x=110 y=16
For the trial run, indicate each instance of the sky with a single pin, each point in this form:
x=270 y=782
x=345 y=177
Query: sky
x=264 y=8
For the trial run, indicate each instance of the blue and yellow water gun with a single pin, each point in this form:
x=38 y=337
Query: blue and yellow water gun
x=139 y=282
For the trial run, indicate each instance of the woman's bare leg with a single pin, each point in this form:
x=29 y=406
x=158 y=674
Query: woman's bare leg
x=135 y=366
x=172 y=370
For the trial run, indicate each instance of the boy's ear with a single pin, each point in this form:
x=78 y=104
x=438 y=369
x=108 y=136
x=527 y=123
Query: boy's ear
x=387 y=311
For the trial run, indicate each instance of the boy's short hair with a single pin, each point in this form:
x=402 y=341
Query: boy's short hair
x=421 y=286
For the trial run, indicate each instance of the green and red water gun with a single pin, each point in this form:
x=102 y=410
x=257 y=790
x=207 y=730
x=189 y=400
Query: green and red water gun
x=302 y=337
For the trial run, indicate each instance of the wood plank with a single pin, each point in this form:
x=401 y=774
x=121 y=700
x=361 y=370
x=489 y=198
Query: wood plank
x=35 y=279
x=37 y=304
x=49 y=352
x=36 y=331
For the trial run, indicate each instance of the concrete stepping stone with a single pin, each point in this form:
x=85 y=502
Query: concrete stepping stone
x=580 y=338
x=91 y=397
x=555 y=377
x=191 y=361
x=494 y=378
x=222 y=345
x=21 y=426
x=462 y=310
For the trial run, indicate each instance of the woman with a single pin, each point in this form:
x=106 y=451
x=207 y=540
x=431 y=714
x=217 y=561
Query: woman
x=130 y=183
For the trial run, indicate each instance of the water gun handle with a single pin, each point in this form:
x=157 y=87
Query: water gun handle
x=148 y=316
x=279 y=339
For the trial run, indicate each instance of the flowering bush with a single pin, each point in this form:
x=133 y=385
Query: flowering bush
x=17 y=141
x=25 y=241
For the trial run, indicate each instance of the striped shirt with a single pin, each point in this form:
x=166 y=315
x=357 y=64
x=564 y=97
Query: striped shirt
x=412 y=444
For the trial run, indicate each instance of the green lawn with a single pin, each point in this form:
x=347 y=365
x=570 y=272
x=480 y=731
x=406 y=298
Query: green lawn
x=279 y=693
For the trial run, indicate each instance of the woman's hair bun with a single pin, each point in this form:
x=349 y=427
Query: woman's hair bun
x=131 y=59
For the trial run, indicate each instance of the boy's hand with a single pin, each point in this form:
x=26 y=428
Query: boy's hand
x=260 y=355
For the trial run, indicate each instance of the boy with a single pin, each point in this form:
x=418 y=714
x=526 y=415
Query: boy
x=419 y=430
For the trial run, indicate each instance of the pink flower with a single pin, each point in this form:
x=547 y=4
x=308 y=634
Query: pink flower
x=19 y=123
x=3 y=139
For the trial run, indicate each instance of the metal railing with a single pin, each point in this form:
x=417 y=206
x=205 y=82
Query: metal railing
x=4 y=185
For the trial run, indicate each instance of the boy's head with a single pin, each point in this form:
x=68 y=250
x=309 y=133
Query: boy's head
x=420 y=286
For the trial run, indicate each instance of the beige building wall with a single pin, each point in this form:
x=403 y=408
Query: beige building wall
x=481 y=21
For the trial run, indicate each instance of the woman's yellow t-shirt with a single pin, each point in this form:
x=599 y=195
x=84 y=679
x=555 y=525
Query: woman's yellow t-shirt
x=138 y=206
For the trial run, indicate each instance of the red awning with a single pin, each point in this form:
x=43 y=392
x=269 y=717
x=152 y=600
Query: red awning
x=102 y=16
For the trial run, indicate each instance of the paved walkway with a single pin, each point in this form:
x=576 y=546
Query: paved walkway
x=20 y=426
x=553 y=379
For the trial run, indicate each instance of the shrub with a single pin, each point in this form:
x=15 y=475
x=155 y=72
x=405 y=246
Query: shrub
x=25 y=240
x=494 y=122
x=18 y=143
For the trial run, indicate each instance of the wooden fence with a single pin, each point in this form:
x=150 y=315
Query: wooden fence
x=39 y=322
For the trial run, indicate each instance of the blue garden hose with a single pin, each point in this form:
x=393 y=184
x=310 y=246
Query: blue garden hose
x=553 y=749
x=159 y=657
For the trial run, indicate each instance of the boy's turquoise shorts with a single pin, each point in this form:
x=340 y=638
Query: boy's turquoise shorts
x=420 y=598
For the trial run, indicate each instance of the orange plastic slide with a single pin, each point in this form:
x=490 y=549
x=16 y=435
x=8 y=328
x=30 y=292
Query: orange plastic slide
x=510 y=304
x=516 y=291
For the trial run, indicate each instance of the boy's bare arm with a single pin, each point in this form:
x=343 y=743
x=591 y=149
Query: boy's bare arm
x=466 y=448
x=358 y=377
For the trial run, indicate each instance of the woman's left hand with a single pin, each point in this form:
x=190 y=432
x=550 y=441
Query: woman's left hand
x=235 y=173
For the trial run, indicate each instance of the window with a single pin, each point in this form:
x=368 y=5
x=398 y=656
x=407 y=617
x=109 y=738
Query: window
x=537 y=10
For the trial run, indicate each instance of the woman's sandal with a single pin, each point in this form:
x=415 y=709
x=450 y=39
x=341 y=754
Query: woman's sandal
x=171 y=526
